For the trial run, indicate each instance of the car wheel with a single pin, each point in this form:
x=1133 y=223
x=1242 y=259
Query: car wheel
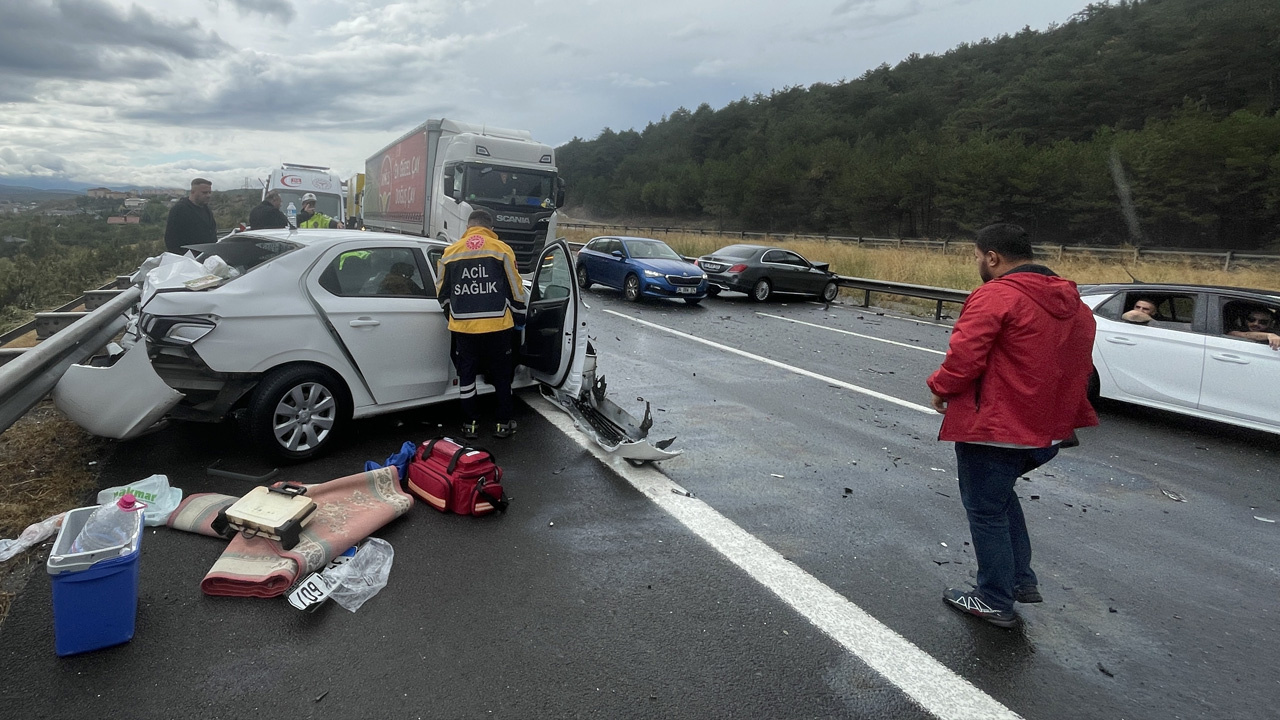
x=631 y=288
x=830 y=291
x=692 y=301
x=1095 y=388
x=713 y=290
x=295 y=411
x=761 y=290
x=584 y=282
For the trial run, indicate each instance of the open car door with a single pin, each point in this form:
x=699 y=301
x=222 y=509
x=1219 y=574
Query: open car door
x=551 y=328
x=556 y=351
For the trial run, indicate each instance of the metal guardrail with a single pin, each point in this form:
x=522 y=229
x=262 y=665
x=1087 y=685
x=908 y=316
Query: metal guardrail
x=1227 y=257
x=25 y=380
x=940 y=295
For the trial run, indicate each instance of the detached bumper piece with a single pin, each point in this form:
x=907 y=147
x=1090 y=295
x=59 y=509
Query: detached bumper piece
x=614 y=429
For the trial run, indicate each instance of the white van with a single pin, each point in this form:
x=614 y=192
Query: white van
x=294 y=181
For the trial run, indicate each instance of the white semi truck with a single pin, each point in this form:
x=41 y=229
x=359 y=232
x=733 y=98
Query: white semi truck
x=428 y=181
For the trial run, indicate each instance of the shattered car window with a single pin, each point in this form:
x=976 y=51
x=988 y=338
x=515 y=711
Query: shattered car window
x=245 y=252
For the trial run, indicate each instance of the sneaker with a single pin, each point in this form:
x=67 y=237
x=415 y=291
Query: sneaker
x=1027 y=595
x=971 y=604
x=505 y=430
x=471 y=430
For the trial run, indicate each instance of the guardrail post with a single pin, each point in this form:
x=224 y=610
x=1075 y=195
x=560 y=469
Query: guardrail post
x=1061 y=249
x=1226 y=265
x=866 y=298
x=937 y=314
x=1137 y=252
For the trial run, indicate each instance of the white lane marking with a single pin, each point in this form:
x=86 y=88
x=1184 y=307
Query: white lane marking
x=783 y=366
x=925 y=680
x=858 y=335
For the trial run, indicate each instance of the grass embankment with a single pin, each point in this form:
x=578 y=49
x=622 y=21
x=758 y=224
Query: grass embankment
x=956 y=268
x=44 y=470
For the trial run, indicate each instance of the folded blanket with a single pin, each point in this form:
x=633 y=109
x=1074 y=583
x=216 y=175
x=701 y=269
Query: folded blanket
x=348 y=510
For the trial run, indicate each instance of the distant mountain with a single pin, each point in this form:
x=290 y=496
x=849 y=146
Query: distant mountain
x=28 y=183
x=20 y=193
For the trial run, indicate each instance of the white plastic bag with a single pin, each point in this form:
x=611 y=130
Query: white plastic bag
x=35 y=533
x=365 y=574
x=161 y=499
x=171 y=271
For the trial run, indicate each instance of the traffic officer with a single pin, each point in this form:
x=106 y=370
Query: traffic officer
x=309 y=218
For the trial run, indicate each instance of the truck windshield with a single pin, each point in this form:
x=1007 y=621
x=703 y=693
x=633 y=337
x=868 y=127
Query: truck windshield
x=498 y=185
x=330 y=205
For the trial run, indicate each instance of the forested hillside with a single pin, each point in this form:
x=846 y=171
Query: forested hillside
x=1152 y=122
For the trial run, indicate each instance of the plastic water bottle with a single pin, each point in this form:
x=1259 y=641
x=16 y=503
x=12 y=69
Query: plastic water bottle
x=292 y=212
x=110 y=525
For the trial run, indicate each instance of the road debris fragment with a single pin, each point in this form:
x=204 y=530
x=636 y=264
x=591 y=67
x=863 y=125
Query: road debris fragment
x=1265 y=520
x=1172 y=495
x=1103 y=669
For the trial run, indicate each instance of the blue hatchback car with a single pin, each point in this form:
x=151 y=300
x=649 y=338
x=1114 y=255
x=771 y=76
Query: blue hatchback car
x=640 y=267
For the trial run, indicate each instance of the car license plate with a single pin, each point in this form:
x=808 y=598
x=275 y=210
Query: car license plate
x=712 y=267
x=686 y=290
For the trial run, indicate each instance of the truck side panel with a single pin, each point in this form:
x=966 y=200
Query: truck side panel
x=396 y=186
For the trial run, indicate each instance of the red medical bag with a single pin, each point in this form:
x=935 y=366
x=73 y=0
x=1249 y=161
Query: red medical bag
x=452 y=477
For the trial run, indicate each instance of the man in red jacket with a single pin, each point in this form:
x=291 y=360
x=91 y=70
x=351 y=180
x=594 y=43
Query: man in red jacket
x=1013 y=386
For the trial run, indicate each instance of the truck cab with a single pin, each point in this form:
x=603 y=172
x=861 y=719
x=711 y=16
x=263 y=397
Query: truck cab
x=509 y=174
x=293 y=181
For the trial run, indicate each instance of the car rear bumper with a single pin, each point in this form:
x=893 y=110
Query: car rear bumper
x=121 y=401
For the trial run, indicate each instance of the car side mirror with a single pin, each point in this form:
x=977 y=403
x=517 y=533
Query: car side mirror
x=617 y=254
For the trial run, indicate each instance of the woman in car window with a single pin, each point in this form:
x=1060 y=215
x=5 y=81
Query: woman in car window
x=1259 y=324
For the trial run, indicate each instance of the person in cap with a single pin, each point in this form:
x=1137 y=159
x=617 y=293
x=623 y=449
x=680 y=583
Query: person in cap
x=310 y=218
x=267 y=214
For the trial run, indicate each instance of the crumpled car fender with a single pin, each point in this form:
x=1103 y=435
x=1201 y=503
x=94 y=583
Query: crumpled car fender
x=121 y=401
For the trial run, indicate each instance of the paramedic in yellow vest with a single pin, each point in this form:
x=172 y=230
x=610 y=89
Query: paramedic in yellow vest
x=480 y=289
x=309 y=218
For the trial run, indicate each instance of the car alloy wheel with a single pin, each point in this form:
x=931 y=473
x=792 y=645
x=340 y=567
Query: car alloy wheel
x=830 y=291
x=762 y=290
x=631 y=288
x=295 y=411
x=584 y=282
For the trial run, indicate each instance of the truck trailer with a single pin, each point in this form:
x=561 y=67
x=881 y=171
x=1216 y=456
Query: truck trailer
x=428 y=181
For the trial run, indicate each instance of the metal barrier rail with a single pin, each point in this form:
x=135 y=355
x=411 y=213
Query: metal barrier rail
x=1227 y=257
x=25 y=380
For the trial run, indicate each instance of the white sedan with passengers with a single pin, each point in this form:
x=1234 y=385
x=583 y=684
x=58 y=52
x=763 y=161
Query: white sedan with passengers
x=1195 y=353
x=317 y=328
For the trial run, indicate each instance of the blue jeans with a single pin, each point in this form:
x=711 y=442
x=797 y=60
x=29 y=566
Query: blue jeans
x=999 y=531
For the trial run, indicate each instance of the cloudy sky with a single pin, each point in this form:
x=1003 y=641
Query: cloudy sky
x=154 y=92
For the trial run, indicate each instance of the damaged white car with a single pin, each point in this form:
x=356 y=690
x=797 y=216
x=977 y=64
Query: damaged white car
x=298 y=333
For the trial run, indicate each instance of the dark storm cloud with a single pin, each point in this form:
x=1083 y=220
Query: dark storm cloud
x=259 y=92
x=281 y=10
x=91 y=40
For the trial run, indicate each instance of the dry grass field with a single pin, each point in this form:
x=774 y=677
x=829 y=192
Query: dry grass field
x=955 y=269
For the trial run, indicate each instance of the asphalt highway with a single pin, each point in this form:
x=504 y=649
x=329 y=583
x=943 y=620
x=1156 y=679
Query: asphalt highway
x=801 y=579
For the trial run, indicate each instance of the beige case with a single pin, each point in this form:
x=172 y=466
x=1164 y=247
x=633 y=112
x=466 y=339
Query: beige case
x=266 y=513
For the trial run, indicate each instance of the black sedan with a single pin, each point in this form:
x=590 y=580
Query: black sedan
x=760 y=271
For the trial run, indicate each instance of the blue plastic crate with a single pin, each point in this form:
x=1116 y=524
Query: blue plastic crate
x=95 y=594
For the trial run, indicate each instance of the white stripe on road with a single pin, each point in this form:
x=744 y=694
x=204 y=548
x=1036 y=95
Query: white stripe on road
x=857 y=335
x=783 y=366
x=925 y=680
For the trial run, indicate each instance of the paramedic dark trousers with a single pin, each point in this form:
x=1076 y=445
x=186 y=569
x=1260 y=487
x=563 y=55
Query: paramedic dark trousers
x=487 y=354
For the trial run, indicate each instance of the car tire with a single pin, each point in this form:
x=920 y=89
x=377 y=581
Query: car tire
x=584 y=281
x=829 y=292
x=1095 y=389
x=713 y=290
x=761 y=290
x=692 y=301
x=295 y=411
x=631 y=288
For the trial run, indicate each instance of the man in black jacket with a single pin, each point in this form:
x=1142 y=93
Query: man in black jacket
x=267 y=214
x=190 y=219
